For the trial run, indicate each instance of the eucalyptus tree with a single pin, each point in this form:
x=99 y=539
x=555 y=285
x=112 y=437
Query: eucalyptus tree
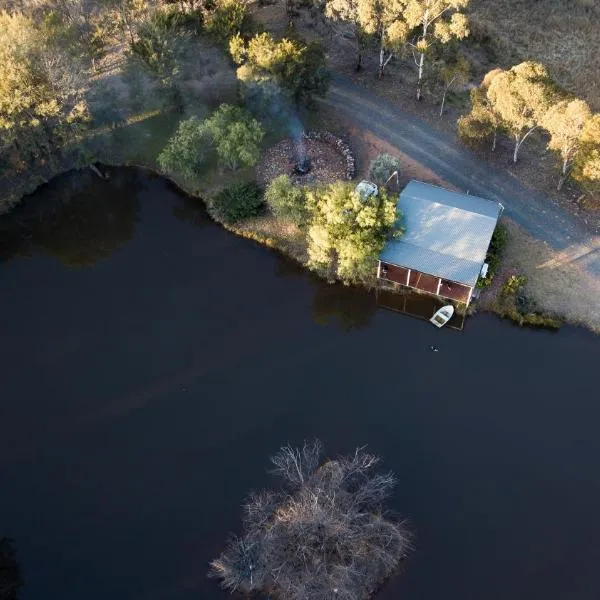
x=433 y=21
x=522 y=96
x=565 y=122
x=483 y=121
x=586 y=168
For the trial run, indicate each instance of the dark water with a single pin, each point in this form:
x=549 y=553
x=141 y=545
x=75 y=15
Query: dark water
x=141 y=396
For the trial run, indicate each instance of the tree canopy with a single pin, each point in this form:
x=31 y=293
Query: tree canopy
x=521 y=97
x=296 y=68
x=186 y=150
x=565 y=122
x=41 y=96
x=325 y=534
x=286 y=200
x=347 y=231
x=235 y=135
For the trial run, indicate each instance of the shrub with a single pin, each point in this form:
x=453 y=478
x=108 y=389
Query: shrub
x=494 y=255
x=238 y=202
x=382 y=167
x=184 y=153
x=227 y=18
x=286 y=200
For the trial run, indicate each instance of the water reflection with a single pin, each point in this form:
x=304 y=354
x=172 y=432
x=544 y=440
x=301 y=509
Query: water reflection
x=76 y=220
x=11 y=580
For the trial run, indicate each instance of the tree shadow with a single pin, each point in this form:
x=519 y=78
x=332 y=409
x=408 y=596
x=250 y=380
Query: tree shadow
x=77 y=218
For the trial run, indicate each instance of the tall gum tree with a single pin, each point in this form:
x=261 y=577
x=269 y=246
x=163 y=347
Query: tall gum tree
x=522 y=96
x=565 y=122
x=586 y=168
x=433 y=21
x=384 y=20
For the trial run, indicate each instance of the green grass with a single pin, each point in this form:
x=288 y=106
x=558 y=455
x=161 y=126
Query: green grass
x=143 y=139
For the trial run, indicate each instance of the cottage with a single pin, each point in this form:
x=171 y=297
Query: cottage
x=446 y=239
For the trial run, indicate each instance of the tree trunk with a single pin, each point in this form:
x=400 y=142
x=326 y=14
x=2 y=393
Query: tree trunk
x=519 y=142
x=494 y=140
x=564 y=174
x=443 y=101
x=381 y=64
x=420 y=82
x=422 y=57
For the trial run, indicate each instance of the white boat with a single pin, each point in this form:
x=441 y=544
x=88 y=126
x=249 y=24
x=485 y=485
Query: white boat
x=443 y=315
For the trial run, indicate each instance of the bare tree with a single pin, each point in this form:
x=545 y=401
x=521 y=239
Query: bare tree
x=329 y=539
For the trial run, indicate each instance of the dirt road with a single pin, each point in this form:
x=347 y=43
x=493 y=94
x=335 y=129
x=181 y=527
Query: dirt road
x=456 y=164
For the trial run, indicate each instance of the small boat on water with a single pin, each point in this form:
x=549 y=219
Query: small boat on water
x=442 y=316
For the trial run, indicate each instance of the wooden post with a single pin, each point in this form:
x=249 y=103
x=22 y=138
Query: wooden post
x=439 y=286
x=470 y=294
x=408 y=278
x=378 y=269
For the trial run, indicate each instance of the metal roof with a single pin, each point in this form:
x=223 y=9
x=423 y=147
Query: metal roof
x=447 y=234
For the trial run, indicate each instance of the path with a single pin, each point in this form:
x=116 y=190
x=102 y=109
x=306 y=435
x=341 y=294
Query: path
x=457 y=165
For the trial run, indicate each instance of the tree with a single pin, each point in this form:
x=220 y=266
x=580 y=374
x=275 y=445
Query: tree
x=235 y=135
x=226 y=19
x=384 y=19
x=325 y=535
x=483 y=121
x=565 y=122
x=130 y=15
x=42 y=106
x=435 y=21
x=185 y=151
x=347 y=231
x=586 y=168
x=297 y=69
x=160 y=46
x=286 y=200
x=382 y=167
x=455 y=72
x=521 y=97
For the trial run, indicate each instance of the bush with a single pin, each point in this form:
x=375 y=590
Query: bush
x=382 y=168
x=494 y=255
x=286 y=200
x=184 y=152
x=238 y=202
x=226 y=19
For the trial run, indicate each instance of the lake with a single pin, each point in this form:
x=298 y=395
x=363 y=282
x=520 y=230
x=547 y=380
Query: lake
x=151 y=363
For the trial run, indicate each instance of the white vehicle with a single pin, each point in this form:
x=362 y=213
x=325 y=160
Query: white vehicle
x=442 y=316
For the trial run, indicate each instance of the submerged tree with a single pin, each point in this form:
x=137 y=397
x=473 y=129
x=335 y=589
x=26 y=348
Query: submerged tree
x=326 y=535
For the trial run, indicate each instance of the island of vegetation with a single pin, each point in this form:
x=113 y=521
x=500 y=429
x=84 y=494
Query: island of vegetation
x=325 y=535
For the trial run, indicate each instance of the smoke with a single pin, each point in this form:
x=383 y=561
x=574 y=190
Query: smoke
x=271 y=104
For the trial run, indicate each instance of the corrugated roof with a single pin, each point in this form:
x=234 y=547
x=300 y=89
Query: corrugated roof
x=447 y=234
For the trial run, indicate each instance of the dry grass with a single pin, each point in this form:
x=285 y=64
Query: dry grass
x=563 y=34
x=556 y=281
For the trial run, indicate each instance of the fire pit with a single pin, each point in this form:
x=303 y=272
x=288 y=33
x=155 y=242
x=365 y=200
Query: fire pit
x=302 y=166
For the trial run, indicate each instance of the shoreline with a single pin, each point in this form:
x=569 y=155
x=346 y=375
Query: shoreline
x=275 y=235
